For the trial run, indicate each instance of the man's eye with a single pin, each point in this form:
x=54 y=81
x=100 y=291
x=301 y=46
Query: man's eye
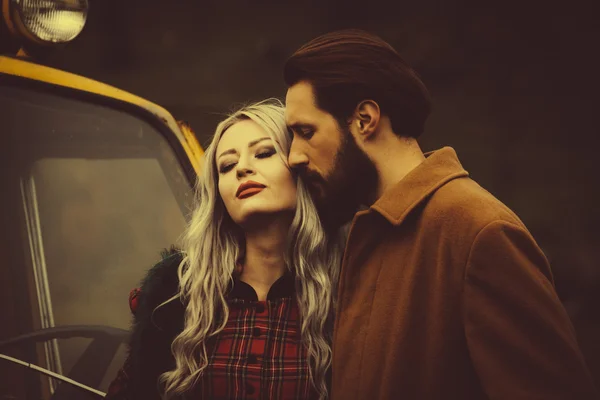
x=265 y=153
x=226 y=168
x=306 y=133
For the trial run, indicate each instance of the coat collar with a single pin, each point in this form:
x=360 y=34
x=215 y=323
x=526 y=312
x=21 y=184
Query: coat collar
x=438 y=168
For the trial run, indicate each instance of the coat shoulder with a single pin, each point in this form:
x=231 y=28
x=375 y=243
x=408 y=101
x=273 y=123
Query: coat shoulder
x=160 y=284
x=155 y=327
x=465 y=203
x=162 y=280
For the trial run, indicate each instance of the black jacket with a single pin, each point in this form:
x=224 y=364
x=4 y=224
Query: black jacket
x=153 y=332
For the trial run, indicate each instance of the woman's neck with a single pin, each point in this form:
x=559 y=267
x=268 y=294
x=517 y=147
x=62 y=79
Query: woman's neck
x=264 y=259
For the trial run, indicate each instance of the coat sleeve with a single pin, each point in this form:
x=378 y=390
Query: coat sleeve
x=519 y=336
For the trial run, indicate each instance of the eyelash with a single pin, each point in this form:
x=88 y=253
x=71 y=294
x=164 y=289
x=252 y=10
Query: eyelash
x=306 y=133
x=265 y=153
x=260 y=155
x=225 y=168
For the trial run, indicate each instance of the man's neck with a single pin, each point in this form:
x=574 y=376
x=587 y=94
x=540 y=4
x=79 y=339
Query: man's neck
x=397 y=157
x=264 y=258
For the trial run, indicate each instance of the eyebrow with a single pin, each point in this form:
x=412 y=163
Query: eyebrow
x=251 y=144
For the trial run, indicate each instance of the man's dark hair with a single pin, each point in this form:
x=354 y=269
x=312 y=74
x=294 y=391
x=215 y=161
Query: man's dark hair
x=348 y=66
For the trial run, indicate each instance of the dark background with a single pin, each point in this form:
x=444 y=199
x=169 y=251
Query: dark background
x=514 y=87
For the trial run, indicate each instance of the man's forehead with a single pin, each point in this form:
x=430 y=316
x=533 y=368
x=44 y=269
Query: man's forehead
x=301 y=93
x=300 y=103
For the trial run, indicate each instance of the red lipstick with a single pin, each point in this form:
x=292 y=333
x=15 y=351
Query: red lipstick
x=249 y=188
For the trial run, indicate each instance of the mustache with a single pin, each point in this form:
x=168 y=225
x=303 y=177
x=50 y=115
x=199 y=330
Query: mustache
x=310 y=176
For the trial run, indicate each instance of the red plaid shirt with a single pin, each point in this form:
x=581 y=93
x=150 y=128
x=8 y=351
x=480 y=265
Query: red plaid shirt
x=258 y=355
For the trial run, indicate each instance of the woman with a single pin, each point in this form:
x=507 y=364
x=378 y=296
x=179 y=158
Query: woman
x=244 y=309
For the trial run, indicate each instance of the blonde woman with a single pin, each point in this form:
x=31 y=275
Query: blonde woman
x=244 y=309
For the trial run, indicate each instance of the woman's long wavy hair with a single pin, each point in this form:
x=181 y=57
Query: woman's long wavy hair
x=212 y=244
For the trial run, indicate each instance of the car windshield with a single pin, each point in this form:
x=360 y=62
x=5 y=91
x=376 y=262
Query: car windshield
x=90 y=196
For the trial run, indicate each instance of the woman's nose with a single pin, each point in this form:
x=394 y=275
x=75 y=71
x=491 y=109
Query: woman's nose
x=245 y=166
x=243 y=171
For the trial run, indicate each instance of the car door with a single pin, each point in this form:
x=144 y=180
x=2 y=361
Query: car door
x=92 y=190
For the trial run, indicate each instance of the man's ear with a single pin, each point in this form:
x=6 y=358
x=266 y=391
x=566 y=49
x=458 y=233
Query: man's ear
x=366 y=119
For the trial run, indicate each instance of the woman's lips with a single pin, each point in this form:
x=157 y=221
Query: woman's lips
x=249 y=192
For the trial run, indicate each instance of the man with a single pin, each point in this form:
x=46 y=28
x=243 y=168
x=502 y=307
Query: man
x=443 y=292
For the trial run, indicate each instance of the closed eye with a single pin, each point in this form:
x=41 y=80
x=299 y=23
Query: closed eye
x=302 y=130
x=305 y=132
x=226 y=168
x=266 y=153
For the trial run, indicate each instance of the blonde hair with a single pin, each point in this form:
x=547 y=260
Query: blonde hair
x=211 y=246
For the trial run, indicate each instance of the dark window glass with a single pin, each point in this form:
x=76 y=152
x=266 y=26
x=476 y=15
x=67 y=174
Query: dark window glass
x=90 y=196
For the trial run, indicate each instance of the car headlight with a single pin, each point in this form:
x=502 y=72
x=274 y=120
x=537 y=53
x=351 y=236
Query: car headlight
x=48 y=21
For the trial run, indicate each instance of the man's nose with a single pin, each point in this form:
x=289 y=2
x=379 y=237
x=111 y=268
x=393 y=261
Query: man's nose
x=296 y=158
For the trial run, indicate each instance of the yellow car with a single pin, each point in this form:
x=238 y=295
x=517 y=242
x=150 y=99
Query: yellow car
x=95 y=182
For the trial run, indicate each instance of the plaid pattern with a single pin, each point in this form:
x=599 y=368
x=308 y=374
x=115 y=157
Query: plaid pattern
x=258 y=355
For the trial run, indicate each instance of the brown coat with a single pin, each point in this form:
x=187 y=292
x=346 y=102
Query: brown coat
x=444 y=294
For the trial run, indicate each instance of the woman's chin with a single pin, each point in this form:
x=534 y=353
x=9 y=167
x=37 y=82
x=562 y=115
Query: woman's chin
x=262 y=216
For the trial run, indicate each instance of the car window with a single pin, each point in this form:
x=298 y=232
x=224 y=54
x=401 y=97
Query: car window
x=95 y=194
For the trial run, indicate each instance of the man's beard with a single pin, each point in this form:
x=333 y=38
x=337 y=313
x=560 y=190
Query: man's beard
x=351 y=184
